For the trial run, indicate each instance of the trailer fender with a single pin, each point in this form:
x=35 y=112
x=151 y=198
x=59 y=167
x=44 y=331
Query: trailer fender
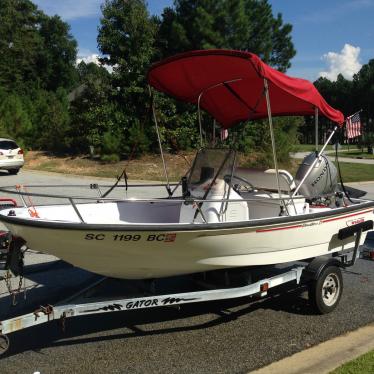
x=316 y=267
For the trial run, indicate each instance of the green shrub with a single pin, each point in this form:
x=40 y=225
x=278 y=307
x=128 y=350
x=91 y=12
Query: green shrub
x=110 y=159
x=110 y=143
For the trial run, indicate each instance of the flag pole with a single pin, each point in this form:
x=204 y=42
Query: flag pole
x=359 y=111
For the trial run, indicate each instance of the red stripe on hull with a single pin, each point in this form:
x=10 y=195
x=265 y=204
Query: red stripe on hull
x=280 y=228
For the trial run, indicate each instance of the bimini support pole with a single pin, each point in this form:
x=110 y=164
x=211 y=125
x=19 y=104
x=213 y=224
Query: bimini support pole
x=159 y=142
x=214 y=132
x=314 y=162
x=199 y=116
x=266 y=86
x=316 y=125
x=225 y=83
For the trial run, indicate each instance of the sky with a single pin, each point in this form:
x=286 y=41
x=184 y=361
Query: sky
x=330 y=36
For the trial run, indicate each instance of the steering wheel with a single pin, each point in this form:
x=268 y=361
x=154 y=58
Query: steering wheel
x=243 y=184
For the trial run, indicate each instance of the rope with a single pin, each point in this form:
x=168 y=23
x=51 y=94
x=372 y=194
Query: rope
x=340 y=176
x=32 y=210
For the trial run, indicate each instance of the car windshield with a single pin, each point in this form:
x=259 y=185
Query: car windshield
x=7 y=145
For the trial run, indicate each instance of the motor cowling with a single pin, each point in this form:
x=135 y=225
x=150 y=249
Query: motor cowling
x=322 y=180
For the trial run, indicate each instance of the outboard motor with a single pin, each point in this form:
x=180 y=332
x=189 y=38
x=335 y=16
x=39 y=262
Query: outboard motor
x=322 y=180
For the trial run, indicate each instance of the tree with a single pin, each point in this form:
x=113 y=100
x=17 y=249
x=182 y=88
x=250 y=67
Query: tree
x=363 y=92
x=50 y=120
x=338 y=93
x=56 y=59
x=20 y=43
x=93 y=112
x=37 y=50
x=14 y=119
x=37 y=66
x=234 y=24
x=126 y=39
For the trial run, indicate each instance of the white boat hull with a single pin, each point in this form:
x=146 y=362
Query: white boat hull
x=132 y=253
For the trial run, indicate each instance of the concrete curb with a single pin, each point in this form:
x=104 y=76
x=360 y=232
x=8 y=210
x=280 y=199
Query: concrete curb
x=326 y=356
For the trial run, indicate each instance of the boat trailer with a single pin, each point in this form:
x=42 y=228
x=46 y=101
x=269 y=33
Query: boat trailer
x=322 y=275
x=69 y=308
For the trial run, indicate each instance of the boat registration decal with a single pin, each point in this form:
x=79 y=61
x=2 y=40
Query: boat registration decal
x=166 y=238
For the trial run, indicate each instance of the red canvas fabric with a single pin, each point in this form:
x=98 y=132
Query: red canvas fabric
x=232 y=86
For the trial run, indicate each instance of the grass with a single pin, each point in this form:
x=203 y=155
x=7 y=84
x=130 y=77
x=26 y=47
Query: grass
x=312 y=147
x=149 y=167
x=356 y=172
x=356 y=154
x=350 y=172
x=362 y=365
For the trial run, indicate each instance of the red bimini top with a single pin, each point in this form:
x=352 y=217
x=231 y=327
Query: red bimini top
x=230 y=85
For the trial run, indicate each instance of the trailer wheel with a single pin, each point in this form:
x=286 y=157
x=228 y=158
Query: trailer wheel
x=4 y=344
x=326 y=291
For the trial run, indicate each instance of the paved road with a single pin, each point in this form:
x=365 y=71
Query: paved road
x=219 y=337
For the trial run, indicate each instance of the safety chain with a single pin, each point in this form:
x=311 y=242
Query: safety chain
x=21 y=283
x=16 y=291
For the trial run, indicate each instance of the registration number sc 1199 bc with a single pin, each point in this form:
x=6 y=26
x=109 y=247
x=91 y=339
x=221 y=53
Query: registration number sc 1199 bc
x=167 y=237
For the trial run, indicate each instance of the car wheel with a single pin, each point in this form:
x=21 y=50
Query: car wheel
x=13 y=171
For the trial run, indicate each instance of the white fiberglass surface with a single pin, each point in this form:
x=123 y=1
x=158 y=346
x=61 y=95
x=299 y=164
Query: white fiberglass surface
x=107 y=213
x=163 y=212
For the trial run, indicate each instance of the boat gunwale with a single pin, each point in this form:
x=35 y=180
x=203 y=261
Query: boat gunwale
x=177 y=227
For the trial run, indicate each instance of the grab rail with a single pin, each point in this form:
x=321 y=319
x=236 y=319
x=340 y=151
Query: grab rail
x=133 y=199
x=84 y=199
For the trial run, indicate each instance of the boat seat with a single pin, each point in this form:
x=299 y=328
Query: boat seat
x=236 y=210
x=263 y=202
x=266 y=179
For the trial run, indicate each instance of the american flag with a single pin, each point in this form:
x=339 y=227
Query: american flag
x=353 y=126
x=224 y=134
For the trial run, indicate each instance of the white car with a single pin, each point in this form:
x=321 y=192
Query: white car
x=11 y=156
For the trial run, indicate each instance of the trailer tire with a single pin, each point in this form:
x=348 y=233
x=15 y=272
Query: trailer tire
x=325 y=292
x=4 y=344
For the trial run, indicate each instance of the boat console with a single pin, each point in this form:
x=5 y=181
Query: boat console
x=220 y=192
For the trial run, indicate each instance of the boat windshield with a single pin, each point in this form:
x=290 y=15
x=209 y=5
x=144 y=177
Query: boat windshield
x=211 y=163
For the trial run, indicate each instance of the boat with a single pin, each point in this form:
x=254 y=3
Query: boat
x=219 y=216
